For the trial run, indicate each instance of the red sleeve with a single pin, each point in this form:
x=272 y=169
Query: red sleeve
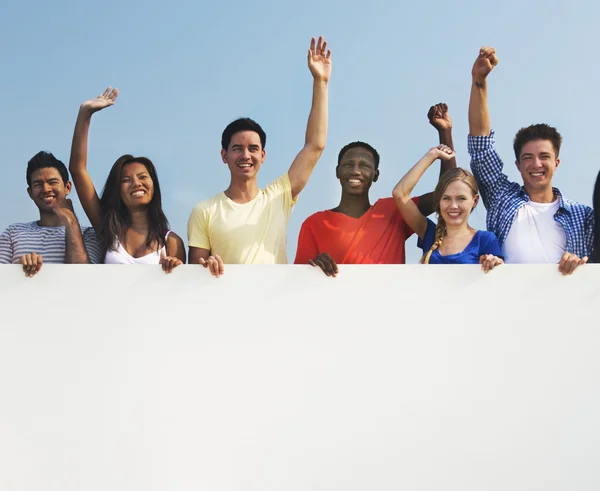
x=307 y=245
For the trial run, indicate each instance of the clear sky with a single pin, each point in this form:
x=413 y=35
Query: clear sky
x=186 y=69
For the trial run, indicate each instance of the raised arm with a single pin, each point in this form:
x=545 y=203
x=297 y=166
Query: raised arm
x=409 y=210
x=75 y=252
x=479 y=114
x=78 y=161
x=439 y=118
x=319 y=63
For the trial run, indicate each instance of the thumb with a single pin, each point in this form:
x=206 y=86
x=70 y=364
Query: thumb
x=163 y=256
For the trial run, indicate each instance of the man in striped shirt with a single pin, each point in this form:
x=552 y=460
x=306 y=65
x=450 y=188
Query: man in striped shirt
x=56 y=237
x=533 y=222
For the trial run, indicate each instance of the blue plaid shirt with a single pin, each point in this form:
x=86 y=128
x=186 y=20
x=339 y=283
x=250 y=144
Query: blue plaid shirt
x=503 y=198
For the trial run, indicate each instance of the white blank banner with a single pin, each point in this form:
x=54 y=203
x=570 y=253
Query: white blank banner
x=277 y=378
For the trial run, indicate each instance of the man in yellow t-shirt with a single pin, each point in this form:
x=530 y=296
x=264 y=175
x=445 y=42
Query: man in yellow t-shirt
x=247 y=225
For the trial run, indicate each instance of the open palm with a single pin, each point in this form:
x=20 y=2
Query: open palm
x=105 y=99
x=319 y=59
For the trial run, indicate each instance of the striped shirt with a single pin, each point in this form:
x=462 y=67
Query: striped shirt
x=502 y=199
x=20 y=239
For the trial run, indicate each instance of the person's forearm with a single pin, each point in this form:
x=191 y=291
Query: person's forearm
x=75 y=252
x=446 y=139
x=405 y=187
x=479 y=114
x=316 y=128
x=79 y=146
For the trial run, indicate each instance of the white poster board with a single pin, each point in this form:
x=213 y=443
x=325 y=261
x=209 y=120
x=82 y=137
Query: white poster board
x=276 y=378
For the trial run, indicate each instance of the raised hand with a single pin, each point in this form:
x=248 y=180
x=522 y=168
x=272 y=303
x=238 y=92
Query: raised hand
x=32 y=263
x=442 y=152
x=439 y=117
x=214 y=264
x=326 y=263
x=489 y=262
x=484 y=64
x=319 y=60
x=105 y=99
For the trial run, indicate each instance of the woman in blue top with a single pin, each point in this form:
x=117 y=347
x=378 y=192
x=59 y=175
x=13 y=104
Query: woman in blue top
x=452 y=240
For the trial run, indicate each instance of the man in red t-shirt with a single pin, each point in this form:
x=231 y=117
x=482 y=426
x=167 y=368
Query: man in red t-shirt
x=355 y=232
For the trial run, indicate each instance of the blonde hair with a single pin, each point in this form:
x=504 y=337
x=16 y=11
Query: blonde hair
x=457 y=174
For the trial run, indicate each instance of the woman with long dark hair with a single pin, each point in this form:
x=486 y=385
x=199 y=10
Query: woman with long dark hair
x=128 y=217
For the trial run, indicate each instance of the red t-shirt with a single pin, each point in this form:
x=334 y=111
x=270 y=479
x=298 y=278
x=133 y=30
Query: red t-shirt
x=375 y=238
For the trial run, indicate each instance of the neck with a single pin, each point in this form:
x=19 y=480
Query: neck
x=458 y=230
x=541 y=195
x=49 y=219
x=242 y=191
x=138 y=219
x=353 y=205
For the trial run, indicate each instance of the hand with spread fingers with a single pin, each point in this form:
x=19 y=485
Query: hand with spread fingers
x=442 y=152
x=319 y=59
x=169 y=263
x=326 y=263
x=32 y=263
x=106 y=99
x=489 y=262
x=215 y=264
x=484 y=64
x=439 y=117
x=569 y=263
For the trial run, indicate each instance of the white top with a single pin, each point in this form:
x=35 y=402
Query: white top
x=535 y=237
x=121 y=256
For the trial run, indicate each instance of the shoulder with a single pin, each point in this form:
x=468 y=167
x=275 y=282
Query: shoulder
x=282 y=183
x=208 y=204
x=17 y=228
x=174 y=239
x=318 y=217
x=575 y=206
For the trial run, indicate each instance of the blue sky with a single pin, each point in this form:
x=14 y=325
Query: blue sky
x=186 y=69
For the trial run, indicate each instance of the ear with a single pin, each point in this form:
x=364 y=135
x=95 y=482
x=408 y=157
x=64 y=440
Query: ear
x=376 y=175
x=557 y=164
x=223 y=154
x=263 y=153
x=518 y=165
x=68 y=187
x=337 y=171
x=29 y=192
x=476 y=201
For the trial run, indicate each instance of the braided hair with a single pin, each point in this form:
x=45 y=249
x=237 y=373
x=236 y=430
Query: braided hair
x=457 y=174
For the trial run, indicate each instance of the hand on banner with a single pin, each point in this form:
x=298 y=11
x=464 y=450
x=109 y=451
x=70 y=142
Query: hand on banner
x=169 y=263
x=569 y=263
x=489 y=262
x=32 y=263
x=215 y=264
x=326 y=263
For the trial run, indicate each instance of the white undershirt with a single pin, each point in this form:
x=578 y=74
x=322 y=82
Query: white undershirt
x=535 y=237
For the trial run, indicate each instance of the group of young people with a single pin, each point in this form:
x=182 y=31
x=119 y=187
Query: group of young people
x=528 y=223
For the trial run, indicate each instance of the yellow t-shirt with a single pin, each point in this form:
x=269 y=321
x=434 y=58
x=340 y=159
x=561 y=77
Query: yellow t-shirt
x=248 y=233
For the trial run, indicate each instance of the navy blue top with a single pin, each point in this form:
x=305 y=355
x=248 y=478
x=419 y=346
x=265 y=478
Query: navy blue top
x=481 y=243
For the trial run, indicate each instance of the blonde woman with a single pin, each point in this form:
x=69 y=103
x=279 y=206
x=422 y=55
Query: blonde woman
x=451 y=240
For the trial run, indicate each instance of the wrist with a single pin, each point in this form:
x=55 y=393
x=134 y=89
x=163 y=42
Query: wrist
x=320 y=82
x=480 y=82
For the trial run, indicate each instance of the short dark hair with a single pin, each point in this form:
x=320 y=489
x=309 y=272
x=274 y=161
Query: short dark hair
x=42 y=160
x=242 y=124
x=537 y=132
x=359 y=144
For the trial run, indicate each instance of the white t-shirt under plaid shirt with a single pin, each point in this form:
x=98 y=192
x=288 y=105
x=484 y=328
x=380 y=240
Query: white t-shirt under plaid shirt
x=503 y=199
x=20 y=239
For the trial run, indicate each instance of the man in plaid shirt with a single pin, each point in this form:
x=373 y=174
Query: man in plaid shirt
x=533 y=222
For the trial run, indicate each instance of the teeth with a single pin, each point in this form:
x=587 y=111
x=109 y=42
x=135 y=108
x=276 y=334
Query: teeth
x=353 y=181
x=138 y=193
x=245 y=165
x=536 y=174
